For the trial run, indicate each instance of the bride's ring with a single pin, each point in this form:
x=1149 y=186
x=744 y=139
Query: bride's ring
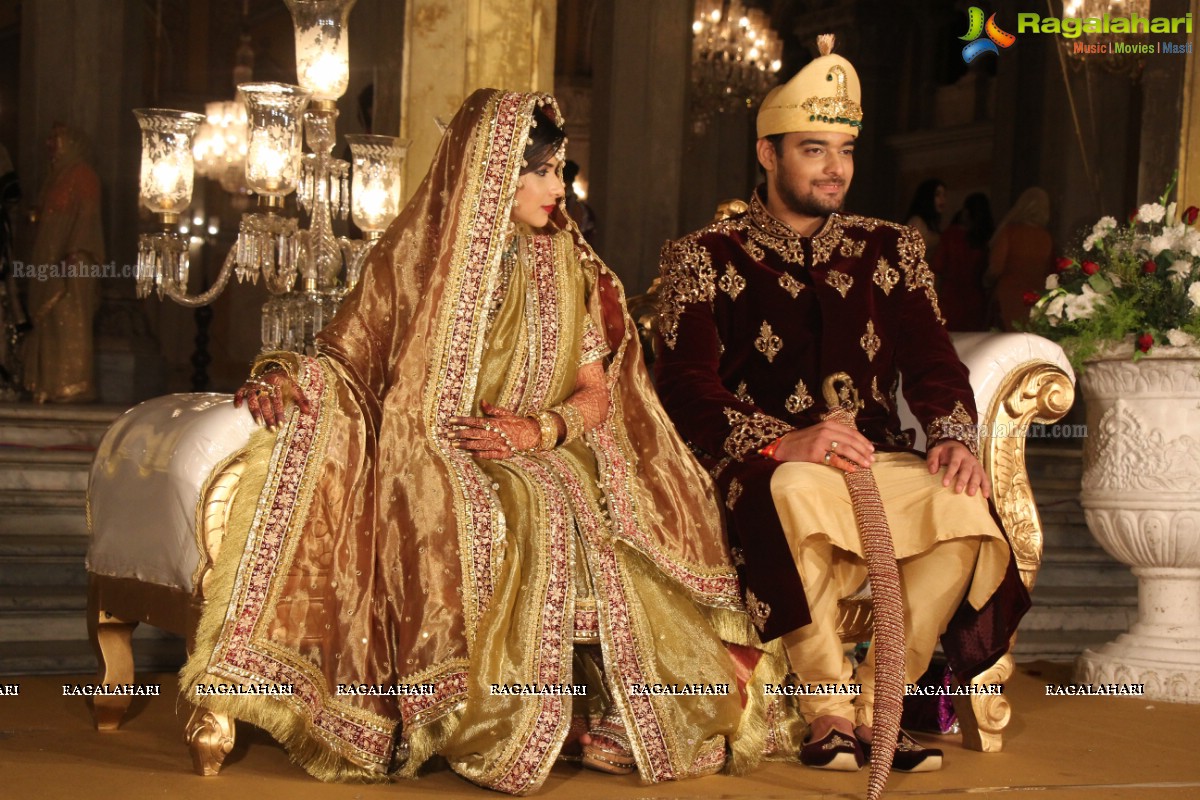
x=828 y=457
x=833 y=445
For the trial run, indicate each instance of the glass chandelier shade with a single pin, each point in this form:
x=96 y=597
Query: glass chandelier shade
x=275 y=112
x=168 y=166
x=322 y=46
x=375 y=190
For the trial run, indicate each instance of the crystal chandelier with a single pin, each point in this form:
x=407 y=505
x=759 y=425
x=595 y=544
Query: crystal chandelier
x=735 y=58
x=307 y=270
x=221 y=145
x=1098 y=47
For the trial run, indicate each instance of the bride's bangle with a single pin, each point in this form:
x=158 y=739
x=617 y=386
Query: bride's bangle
x=573 y=419
x=547 y=429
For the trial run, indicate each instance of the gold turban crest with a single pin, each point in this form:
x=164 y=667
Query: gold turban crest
x=824 y=96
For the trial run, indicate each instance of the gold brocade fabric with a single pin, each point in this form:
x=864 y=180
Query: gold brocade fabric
x=379 y=555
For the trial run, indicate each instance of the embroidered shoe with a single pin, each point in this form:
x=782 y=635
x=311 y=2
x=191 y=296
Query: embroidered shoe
x=836 y=751
x=910 y=756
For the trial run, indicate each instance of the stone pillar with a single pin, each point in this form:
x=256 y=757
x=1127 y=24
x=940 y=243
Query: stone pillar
x=639 y=120
x=452 y=48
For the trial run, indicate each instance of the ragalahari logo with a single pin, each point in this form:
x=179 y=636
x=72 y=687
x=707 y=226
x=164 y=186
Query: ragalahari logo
x=996 y=38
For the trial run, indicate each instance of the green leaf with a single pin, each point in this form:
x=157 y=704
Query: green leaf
x=1100 y=284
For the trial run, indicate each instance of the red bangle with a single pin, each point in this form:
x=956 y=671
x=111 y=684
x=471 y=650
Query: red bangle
x=769 y=450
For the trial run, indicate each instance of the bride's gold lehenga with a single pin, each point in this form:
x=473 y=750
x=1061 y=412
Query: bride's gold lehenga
x=376 y=554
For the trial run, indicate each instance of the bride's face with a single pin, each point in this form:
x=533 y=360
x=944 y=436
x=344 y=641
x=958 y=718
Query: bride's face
x=537 y=193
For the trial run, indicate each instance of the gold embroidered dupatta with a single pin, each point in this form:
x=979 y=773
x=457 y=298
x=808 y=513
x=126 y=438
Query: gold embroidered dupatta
x=376 y=554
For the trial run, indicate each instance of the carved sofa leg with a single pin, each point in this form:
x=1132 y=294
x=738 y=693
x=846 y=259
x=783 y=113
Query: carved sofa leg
x=111 y=640
x=983 y=717
x=210 y=737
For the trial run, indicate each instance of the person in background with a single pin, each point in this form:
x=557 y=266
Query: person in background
x=67 y=242
x=1022 y=255
x=960 y=262
x=925 y=211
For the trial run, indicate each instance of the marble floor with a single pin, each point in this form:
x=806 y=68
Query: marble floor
x=1057 y=748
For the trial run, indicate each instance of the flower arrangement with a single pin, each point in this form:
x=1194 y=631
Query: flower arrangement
x=1135 y=283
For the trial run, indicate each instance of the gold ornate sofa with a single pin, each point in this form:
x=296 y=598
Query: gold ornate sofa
x=166 y=473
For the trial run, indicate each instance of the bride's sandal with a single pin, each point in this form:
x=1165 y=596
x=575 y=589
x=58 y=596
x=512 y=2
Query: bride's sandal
x=609 y=749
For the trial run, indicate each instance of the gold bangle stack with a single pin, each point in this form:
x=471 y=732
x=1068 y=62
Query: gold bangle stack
x=573 y=418
x=548 y=429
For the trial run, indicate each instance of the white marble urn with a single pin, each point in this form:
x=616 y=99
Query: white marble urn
x=1141 y=498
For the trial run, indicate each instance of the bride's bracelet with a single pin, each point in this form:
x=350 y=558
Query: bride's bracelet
x=572 y=418
x=548 y=430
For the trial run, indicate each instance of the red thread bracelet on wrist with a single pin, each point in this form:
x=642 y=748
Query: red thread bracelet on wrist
x=769 y=450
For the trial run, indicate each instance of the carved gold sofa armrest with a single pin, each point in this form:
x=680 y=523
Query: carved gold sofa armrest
x=1035 y=392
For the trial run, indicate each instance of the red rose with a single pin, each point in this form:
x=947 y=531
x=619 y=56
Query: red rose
x=1190 y=215
x=1150 y=267
x=1145 y=342
x=1133 y=215
x=1030 y=298
x=1062 y=263
x=1089 y=267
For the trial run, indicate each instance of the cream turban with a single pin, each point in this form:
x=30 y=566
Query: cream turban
x=824 y=96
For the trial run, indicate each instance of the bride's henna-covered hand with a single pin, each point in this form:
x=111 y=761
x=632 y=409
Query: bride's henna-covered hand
x=267 y=397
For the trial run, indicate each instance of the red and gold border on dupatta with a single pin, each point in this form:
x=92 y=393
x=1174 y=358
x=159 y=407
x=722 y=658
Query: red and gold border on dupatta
x=244 y=654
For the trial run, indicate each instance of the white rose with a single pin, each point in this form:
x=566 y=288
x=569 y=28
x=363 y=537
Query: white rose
x=1054 y=309
x=1158 y=244
x=1151 y=212
x=1194 y=294
x=1180 y=339
x=1180 y=270
x=1051 y=281
x=1082 y=306
x=1103 y=226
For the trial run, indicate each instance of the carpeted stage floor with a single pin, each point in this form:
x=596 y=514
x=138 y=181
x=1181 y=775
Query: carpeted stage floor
x=1067 y=748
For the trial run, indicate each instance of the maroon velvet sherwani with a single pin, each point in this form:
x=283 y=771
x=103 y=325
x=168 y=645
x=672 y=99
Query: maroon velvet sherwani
x=752 y=318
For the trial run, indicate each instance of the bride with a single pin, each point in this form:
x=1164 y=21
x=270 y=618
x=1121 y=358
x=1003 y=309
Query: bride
x=477 y=533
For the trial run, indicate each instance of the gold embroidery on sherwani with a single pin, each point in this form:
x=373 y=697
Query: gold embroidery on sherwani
x=869 y=341
x=752 y=249
x=956 y=425
x=767 y=342
x=917 y=274
x=878 y=395
x=735 y=491
x=731 y=283
x=791 y=285
x=758 y=610
x=748 y=434
x=886 y=277
x=852 y=248
x=840 y=281
x=688 y=277
x=799 y=400
x=743 y=394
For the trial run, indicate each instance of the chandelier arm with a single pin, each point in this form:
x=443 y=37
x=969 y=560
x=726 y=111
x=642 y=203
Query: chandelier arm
x=195 y=301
